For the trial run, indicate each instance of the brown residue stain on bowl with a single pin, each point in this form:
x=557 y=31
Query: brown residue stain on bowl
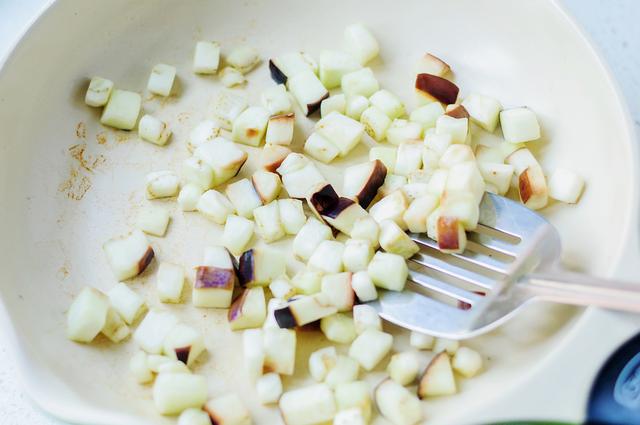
x=86 y=161
x=122 y=137
x=78 y=182
x=183 y=117
x=81 y=130
x=101 y=138
x=63 y=272
x=76 y=186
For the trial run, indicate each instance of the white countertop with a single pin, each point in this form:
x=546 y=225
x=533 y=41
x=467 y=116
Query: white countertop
x=612 y=24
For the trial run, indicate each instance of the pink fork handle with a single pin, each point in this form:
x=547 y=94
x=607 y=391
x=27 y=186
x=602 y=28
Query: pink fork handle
x=579 y=289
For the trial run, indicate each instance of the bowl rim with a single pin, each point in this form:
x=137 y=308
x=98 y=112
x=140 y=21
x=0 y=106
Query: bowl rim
x=628 y=252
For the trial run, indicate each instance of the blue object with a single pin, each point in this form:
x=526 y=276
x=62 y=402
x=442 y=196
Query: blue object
x=615 y=394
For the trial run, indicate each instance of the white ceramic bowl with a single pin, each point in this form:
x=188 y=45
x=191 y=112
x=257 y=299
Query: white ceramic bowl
x=521 y=52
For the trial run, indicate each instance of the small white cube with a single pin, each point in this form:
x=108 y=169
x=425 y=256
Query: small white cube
x=189 y=196
x=243 y=58
x=292 y=215
x=427 y=115
x=333 y=64
x=227 y=107
x=483 y=110
x=87 y=315
x=318 y=147
x=355 y=106
x=361 y=43
x=337 y=102
x=152 y=130
x=268 y=223
x=206 y=58
x=403 y=131
x=269 y=388
x=122 y=110
x=388 y=102
x=281 y=288
x=351 y=416
x=366 y=317
x=361 y=82
x=126 y=302
x=403 y=367
x=519 y=125
x=194 y=416
x=421 y=341
x=375 y=122
x=363 y=286
x=565 y=186
x=231 y=77
x=307 y=90
x=162 y=184
x=215 y=206
x=161 y=79
x=344 y=132
x=250 y=126
x=280 y=129
x=357 y=254
x=467 y=362
x=327 y=257
x=237 y=234
x=276 y=100
x=370 y=347
x=153 y=220
x=458 y=128
x=448 y=345
x=169 y=282
x=98 y=92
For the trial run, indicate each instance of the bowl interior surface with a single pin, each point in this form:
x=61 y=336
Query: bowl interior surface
x=68 y=184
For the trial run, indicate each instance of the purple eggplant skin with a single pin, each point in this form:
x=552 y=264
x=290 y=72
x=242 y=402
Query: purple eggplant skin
x=214 y=277
x=182 y=354
x=324 y=199
x=341 y=205
x=285 y=318
x=315 y=106
x=236 y=308
x=246 y=268
x=145 y=260
x=276 y=74
x=370 y=189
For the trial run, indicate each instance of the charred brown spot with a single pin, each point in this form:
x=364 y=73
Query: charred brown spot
x=251 y=132
x=236 y=308
x=145 y=260
x=439 y=88
x=448 y=237
x=524 y=186
x=434 y=58
x=283 y=117
x=246 y=268
x=458 y=111
x=214 y=278
x=324 y=199
x=182 y=354
x=313 y=107
x=273 y=166
x=213 y=416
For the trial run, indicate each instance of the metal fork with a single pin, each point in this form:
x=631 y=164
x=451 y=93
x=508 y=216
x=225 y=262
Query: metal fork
x=511 y=259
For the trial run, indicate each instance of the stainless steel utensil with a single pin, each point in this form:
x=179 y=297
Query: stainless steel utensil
x=512 y=258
